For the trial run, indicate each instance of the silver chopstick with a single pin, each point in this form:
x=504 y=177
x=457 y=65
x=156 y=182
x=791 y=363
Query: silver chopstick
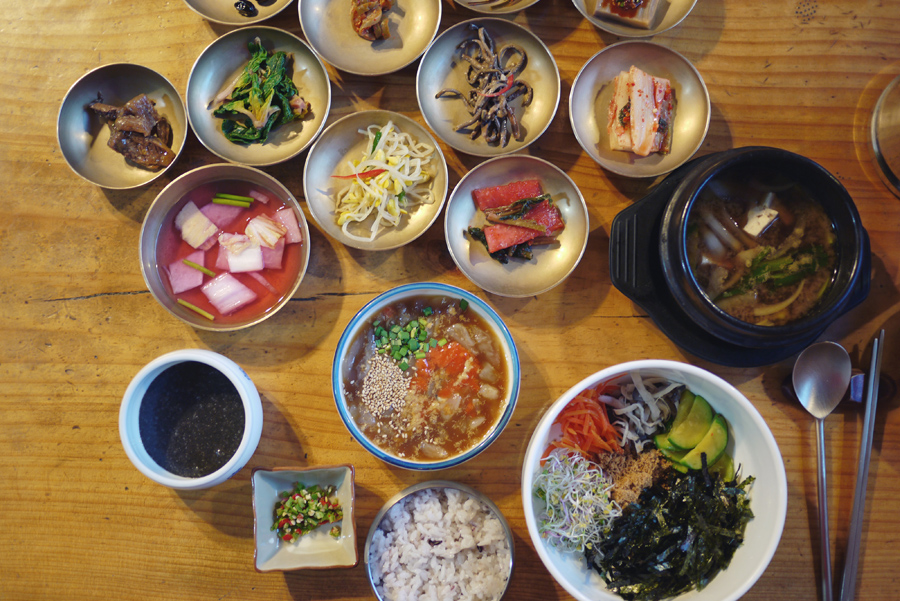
x=848 y=582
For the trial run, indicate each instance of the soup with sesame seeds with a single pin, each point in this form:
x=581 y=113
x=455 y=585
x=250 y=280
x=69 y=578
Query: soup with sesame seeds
x=427 y=380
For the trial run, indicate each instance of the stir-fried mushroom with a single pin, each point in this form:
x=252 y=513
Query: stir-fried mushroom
x=137 y=131
x=494 y=77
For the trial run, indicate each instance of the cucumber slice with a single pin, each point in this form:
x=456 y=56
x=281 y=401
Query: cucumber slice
x=662 y=443
x=713 y=445
x=684 y=407
x=724 y=467
x=674 y=455
x=688 y=432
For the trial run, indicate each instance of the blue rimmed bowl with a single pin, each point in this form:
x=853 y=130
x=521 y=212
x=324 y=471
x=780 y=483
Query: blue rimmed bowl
x=345 y=370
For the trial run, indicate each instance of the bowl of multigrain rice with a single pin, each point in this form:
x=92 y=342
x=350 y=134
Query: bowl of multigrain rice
x=426 y=376
x=439 y=540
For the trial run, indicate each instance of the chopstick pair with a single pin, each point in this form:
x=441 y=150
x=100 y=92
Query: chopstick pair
x=851 y=563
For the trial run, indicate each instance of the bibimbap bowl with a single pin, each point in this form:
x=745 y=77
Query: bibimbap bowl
x=425 y=376
x=754 y=451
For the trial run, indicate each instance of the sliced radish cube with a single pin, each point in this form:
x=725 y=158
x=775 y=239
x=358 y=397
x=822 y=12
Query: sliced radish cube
x=272 y=257
x=288 y=219
x=221 y=215
x=222 y=259
x=183 y=277
x=265 y=283
x=227 y=294
x=196 y=228
x=260 y=196
x=243 y=254
x=265 y=231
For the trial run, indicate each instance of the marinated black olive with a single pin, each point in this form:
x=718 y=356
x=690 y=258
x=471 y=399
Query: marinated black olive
x=246 y=8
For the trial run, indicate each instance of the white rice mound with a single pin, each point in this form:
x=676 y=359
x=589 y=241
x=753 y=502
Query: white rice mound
x=440 y=544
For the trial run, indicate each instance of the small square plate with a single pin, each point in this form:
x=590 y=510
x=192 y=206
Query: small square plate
x=318 y=549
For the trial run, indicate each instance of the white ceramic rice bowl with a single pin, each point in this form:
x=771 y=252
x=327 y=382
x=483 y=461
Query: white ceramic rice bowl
x=754 y=450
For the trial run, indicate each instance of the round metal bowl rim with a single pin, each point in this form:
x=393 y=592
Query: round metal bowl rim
x=505 y=22
x=613 y=168
x=100 y=68
x=279 y=31
x=403 y=291
x=637 y=33
x=442 y=170
x=246 y=21
x=431 y=484
x=277 y=187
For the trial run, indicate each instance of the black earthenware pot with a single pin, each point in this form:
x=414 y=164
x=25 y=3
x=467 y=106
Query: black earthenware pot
x=648 y=261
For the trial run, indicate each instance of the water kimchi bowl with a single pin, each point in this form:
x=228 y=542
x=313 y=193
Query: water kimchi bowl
x=763 y=247
x=672 y=420
x=224 y=247
x=426 y=376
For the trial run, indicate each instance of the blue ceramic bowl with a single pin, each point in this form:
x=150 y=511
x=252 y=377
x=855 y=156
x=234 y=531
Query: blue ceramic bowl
x=341 y=369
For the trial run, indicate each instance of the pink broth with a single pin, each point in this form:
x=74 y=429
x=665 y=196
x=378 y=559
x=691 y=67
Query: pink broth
x=170 y=248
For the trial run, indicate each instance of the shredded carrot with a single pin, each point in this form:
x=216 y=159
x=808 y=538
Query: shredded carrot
x=585 y=426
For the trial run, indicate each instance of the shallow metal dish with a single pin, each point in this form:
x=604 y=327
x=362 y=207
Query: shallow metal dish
x=669 y=14
x=551 y=264
x=496 y=7
x=436 y=484
x=593 y=90
x=218 y=65
x=219 y=11
x=442 y=68
x=83 y=136
x=327 y=26
x=342 y=142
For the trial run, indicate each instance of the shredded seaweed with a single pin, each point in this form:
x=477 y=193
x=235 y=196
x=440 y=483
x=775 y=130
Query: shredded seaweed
x=676 y=537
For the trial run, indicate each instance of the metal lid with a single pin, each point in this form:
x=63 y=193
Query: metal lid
x=885 y=134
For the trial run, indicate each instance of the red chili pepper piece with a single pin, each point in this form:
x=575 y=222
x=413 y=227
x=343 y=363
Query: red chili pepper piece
x=509 y=84
x=364 y=174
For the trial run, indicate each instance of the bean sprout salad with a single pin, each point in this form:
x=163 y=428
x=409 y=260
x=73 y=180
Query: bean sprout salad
x=393 y=176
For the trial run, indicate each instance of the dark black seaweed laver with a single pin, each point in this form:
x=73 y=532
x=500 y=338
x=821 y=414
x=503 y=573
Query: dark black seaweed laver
x=137 y=131
x=676 y=537
x=191 y=419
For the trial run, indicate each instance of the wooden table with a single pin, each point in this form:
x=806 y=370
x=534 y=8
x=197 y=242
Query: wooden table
x=78 y=521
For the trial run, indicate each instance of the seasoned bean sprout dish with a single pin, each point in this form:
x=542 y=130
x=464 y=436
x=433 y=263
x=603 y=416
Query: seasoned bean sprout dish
x=393 y=176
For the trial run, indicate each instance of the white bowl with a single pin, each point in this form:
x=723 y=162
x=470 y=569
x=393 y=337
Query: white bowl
x=755 y=451
x=593 y=90
x=327 y=26
x=129 y=419
x=551 y=264
x=340 y=370
x=342 y=142
x=317 y=550
x=226 y=57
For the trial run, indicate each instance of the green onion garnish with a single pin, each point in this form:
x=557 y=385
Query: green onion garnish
x=208 y=316
x=234 y=197
x=463 y=304
x=198 y=267
x=231 y=202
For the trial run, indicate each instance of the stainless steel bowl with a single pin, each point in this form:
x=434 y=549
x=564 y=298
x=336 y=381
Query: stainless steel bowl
x=163 y=205
x=436 y=484
x=83 y=136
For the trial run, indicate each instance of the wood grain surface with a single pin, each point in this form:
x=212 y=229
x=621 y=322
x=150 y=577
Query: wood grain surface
x=78 y=521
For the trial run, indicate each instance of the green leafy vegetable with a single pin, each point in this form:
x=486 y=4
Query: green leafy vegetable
x=261 y=98
x=676 y=537
x=780 y=271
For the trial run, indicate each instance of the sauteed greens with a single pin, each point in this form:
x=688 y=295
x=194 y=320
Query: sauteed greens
x=677 y=536
x=261 y=97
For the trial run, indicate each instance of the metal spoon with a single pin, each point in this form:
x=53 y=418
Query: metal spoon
x=821 y=377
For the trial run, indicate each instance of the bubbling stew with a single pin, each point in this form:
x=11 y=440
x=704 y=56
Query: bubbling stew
x=760 y=247
x=426 y=378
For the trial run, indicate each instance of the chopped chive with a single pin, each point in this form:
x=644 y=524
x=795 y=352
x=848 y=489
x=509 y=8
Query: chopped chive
x=231 y=202
x=420 y=355
x=413 y=344
x=198 y=267
x=442 y=342
x=396 y=329
x=376 y=323
x=234 y=197
x=404 y=366
x=205 y=314
x=427 y=311
x=463 y=304
x=432 y=343
x=397 y=356
x=403 y=335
